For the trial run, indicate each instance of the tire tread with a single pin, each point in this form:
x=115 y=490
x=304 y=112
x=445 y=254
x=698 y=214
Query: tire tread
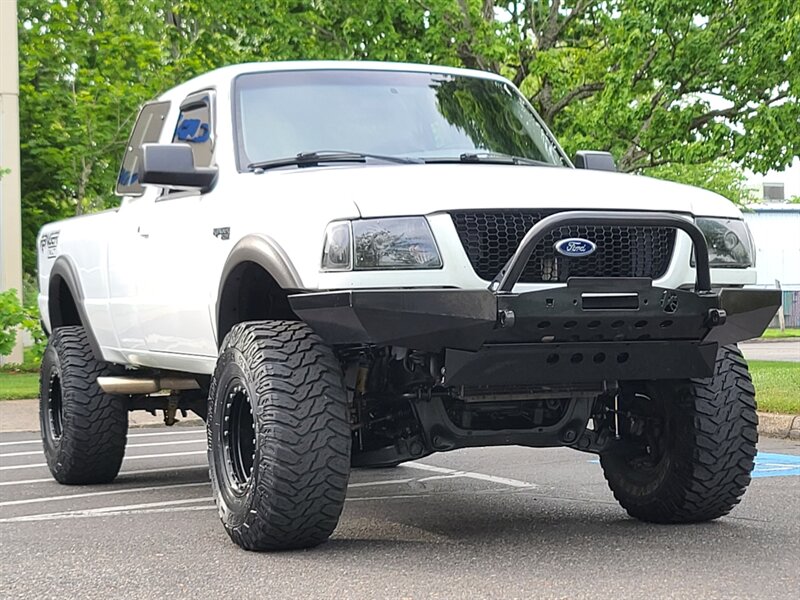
x=715 y=448
x=303 y=436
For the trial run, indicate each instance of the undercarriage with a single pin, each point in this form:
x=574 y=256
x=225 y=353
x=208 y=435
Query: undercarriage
x=400 y=411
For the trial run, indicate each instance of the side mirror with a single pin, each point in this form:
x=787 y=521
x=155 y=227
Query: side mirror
x=594 y=159
x=172 y=166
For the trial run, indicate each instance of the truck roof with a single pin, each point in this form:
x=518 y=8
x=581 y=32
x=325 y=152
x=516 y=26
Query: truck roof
x=223 y=75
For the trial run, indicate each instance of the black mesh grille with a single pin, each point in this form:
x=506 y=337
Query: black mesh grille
x=491 y=237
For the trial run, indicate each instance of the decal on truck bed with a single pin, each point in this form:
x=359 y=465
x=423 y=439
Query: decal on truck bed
x=223 y=233
x=48 y=244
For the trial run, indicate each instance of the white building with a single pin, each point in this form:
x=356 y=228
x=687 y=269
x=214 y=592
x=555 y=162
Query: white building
x=776 y=230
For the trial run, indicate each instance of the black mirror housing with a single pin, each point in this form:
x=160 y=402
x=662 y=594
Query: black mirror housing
x=172 y=166
x=595 y=160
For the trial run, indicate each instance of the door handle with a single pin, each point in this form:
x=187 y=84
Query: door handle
x=142 y=231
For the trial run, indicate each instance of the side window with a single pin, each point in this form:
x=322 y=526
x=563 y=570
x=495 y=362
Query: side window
x=147 y=130
x=195 y=127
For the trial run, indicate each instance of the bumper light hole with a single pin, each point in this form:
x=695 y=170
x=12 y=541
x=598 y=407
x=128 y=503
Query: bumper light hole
x=617 y=324
x=593 y=324
x=622 y=357
x=665 y=324
x=570 y=324
x=552 y=359
x=599 y=357
x=576 y=358
x=640 y=324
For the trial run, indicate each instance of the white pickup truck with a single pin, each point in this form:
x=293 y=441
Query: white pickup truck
x=342 y=264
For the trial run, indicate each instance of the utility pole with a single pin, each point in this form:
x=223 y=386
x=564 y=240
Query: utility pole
x=10 y=197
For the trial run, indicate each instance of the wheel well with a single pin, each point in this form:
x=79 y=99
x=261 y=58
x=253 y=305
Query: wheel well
x=250 y=293
x=63 y=308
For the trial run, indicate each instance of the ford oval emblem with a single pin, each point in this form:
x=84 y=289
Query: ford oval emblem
x=575 y=247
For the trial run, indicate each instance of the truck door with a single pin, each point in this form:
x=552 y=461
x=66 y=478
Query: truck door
x=124 y=243
x=173 y=307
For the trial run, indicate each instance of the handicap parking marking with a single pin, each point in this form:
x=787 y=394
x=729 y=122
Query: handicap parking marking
x=768 y=464
x=776 y=465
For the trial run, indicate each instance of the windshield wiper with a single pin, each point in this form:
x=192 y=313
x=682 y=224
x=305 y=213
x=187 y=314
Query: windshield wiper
x=495 y=158
x=313 y=159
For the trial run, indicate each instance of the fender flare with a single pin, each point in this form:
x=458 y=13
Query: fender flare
x=265 y=252
x=64 y=268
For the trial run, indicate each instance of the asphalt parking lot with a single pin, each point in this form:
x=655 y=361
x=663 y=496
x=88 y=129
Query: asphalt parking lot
x=499 y=522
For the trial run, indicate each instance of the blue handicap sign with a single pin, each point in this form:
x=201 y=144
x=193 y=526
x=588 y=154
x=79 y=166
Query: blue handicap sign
x=776 y=465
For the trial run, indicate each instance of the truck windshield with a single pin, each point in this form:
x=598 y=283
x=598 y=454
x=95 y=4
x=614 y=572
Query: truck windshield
x=428 y=116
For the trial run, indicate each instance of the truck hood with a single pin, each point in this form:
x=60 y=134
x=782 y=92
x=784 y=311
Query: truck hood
x=396 y=190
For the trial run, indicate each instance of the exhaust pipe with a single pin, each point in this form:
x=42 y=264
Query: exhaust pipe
x=145 y=385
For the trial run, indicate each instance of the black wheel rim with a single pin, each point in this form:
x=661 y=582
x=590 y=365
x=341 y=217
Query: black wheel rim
x=646 y=451
x=55 y=406
x=238 y=437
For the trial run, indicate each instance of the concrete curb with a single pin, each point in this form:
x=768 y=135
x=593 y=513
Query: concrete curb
x=779 y=426
x=770 y=340
x=23 y=415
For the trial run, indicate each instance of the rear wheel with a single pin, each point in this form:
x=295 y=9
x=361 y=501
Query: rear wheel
x=279 y=436
x=688 y=446
x=83 y=429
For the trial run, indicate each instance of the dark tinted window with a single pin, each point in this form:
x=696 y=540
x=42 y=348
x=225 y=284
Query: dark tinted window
x=147 y=130
x=422 y=115
x=195 y=127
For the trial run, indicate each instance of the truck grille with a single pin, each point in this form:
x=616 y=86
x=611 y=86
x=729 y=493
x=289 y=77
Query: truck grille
x=491 y=237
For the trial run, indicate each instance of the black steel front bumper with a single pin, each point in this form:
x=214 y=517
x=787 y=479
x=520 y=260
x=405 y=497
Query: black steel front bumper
x=590 y=330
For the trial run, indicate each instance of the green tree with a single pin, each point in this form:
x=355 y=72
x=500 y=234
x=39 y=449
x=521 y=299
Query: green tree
x=656 y=82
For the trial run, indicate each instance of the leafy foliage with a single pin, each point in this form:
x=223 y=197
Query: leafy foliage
x=656 y=82
x=11 y=317
x=14 y=315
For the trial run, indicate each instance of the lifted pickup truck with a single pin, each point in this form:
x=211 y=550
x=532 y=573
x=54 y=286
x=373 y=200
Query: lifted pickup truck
x=344 y=265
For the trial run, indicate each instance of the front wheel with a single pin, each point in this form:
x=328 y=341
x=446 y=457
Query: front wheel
x=279 y=436
x=688 y=446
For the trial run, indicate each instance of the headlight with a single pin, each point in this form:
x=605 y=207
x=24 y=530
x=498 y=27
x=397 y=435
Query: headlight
x=374 y=244
x=729 y=243
x=337 y=253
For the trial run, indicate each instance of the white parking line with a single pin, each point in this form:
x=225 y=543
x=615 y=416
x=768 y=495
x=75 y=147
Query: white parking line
x=130 y=435
x=147 y=445
x=383 y=482
x=515 y=483
x=178 y=505
x=139 y=472
x=103 y=493
x=101 y=512
x=20 y=442
x=12 y=467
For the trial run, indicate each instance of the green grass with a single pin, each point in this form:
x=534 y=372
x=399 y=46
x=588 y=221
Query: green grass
x=16 y=386
x=775 y=334
x=777 y=386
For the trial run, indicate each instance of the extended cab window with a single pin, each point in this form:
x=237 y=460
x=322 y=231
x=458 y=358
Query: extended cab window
x=195 y=127
x=147 y=130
